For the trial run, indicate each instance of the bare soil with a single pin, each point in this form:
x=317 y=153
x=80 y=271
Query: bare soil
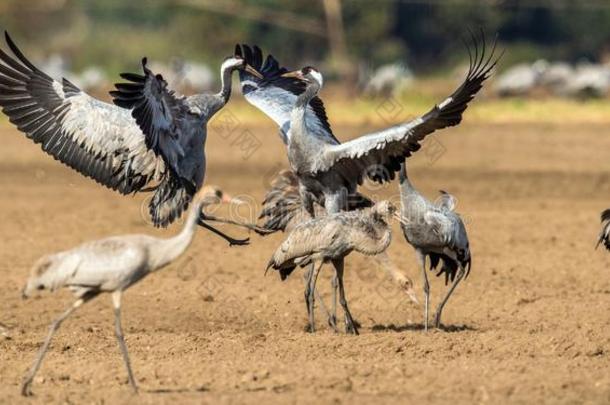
x=530 y=325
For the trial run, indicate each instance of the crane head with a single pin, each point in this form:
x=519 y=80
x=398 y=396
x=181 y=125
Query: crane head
x=384 y=209
x=210 y=195
x=238 y=62
x=308 y=74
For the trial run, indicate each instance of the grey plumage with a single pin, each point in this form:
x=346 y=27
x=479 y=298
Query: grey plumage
x=97 y=139
x=437 y=232
x=104 y=142
x=276 y=95
x=109 y=265
x=329 y=171
x=283 y=208
x=175 y=128
x=330 y=238
x=604 y=235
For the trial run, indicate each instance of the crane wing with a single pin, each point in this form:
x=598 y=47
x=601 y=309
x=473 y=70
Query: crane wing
x=385 y=150
x=283 y=208
x=275 y=95
x=306 y=239
x=96 y=139
x=157 y=110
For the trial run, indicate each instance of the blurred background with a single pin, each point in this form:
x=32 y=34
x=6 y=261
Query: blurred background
x=376 y=48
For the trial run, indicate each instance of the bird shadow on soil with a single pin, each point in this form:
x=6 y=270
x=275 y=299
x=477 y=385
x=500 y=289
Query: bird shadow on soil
x=420 y=327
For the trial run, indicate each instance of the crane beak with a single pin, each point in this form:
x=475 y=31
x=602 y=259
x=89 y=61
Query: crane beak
x=296 y=74
x=253 y=71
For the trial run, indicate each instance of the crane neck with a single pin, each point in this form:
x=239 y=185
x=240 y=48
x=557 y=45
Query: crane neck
x=311 y=90
x=298 y=127
x=300 y=106
x=405 y=183
x=379 y=239
x=170 y=249
x=226 y=83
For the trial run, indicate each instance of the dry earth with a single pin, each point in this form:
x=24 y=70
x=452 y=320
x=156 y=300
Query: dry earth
x=530 y=325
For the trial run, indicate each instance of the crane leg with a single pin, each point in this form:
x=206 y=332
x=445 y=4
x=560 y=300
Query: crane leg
x=232 y=241
x=118 y=330
x=307 y=279
x=422 y=263
x=350 y=327
x=313 y=278
x=26 y=387
x=332 y=318
x=439 y=309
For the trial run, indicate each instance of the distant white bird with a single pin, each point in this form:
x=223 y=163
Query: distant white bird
x=110 y=265
x=434 y=230
x=389 y=80
x=329 y=239
x=589 y=80
x=556 y=77
x=520 y=79
x=92 y=78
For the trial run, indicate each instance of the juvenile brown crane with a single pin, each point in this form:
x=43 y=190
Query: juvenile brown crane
x=331 y=238
x=283 y=209
x=110 y=265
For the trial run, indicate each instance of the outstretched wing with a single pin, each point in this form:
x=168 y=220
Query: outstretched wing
x=385 y=150
x=275 y=95
x=97 y=139
x=158 y=112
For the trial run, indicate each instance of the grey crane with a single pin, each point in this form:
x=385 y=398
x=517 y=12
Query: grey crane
x=330 y=171
x=155 y=143
x=604 y=235
x=282 y=210
x=110 y=265
x=437 y=232
x=330 y=238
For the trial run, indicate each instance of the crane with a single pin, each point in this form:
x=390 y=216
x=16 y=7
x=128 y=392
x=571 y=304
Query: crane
x=330 y=171
x=330 y=238
x=153 y=140
x=110 y=265
x=435 y=231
